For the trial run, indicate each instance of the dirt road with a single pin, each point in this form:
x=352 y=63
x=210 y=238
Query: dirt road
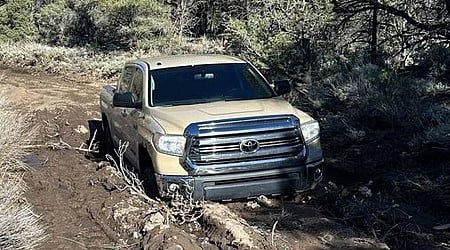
x=79 y=205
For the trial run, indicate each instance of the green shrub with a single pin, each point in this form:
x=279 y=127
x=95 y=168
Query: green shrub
x=16 y=20
x=52 y=23
x=281 y=35
x=368 y=97
x=119 y=24
x=435 y=61
x=107 y=25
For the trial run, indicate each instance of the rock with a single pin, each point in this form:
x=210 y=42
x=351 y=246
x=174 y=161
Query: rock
x=154 y=220
x=81 y=129
x=252 y=205
x=266 y=202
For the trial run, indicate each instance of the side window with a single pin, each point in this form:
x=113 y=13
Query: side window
x=125 y=79
x=137 y=84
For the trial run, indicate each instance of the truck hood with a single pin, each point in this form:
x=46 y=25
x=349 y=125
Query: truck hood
x=174 y=119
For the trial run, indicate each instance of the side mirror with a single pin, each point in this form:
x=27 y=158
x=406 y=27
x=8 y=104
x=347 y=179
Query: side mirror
x=125 y=100
x=282 y=87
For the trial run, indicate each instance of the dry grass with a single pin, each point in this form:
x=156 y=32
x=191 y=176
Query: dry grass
x=14 y=133
x=19 y=226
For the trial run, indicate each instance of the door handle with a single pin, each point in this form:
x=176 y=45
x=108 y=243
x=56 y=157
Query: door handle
x=123 y=113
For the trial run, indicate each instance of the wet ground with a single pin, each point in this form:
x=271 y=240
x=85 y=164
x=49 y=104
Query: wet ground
x=78 y=202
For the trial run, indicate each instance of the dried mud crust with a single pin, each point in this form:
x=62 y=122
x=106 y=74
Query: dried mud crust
x=81 y=203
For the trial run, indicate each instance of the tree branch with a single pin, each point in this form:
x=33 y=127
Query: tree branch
x=399 y=13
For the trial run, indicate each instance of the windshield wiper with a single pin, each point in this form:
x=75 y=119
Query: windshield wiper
x=192 y=101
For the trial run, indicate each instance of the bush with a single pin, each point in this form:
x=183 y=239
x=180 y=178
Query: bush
x=118 y=24
x=436 y=62
x=106 y=25
x=356 y=99
x=19 y=226
x=52 y=22
x=280 y=35
x=87 y=61
x=373 y=97
x=16 y=20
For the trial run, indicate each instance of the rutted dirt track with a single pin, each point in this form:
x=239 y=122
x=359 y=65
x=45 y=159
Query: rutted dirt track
x=62 y=182
x=78 y=202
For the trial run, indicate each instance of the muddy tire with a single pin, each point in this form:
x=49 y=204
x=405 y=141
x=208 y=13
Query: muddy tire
x=107 y=146
x=148 y=176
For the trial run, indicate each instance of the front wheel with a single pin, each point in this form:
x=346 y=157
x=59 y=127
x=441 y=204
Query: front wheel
x=150 y=186
x=107 y=146
x=148 y=174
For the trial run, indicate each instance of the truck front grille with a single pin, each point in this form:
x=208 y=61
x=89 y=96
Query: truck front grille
x=220 y=142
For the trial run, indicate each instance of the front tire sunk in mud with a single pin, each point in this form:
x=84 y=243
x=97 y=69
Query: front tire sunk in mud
x=148 y=175
x=150 y=186
x=107 y=146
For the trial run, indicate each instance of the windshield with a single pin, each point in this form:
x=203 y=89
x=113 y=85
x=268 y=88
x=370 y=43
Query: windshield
x=207 y=83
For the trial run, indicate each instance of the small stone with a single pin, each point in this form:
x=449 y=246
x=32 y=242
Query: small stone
x=252 y=205
x=81 y=129
x=266 y=202
x=136 y=235
x=153 y=221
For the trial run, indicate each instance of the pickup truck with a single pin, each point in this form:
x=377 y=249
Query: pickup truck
x=211 y=127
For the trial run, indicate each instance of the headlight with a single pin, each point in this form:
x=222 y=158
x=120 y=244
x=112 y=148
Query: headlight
x=169 y=144
x=310 y=130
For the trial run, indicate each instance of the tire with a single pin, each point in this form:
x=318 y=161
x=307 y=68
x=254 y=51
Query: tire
x=107 y=143
x=148 y=176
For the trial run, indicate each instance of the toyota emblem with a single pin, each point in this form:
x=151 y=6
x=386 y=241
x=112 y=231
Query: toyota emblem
x=249 y=146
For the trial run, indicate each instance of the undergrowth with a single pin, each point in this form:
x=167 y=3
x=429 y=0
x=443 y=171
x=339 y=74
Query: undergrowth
x=389 y=130
x=357 y=100
x=64 y=60
x=20 y=228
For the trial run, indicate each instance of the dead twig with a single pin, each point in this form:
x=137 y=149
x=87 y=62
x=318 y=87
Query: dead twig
x=63 y=145
x=132 y=181
x=273 y=232
x=92 y=140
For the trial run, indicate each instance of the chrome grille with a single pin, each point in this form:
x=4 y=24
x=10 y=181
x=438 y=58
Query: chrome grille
x=219 y=142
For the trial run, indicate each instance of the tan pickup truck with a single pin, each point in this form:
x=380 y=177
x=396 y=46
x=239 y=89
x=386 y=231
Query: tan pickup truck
x=212 y=127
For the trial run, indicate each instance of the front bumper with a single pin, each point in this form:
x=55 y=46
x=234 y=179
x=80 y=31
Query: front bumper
x=243 y=185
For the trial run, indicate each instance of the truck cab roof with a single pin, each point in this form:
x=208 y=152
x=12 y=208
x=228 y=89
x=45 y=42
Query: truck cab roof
x=164 y=62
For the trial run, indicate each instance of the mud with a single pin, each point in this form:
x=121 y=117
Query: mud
x=83 y=205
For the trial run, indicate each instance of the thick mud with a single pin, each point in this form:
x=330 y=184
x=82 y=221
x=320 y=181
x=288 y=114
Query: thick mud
x=83 y=204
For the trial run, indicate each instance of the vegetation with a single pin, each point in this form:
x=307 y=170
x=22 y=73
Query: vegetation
x=19 y=226
x=376 y=72
x=16 y=20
